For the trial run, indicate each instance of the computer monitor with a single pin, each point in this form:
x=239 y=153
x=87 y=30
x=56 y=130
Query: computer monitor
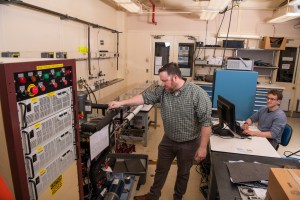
x=226 y=113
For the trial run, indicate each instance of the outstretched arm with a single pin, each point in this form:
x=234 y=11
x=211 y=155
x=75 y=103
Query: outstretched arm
x=134 y=101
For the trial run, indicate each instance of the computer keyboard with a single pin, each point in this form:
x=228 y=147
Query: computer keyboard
x=239 y=132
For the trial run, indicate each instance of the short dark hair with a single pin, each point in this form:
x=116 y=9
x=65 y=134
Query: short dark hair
x=171 y=68
x=277 y=93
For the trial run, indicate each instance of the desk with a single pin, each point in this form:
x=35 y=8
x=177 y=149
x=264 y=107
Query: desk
x=220 y=175
x=258 y=146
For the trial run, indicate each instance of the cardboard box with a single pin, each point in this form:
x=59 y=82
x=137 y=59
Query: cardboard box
x=273 y=43
x=284 y=184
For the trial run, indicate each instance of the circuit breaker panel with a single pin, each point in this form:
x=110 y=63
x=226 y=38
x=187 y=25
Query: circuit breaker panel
x=40 y=125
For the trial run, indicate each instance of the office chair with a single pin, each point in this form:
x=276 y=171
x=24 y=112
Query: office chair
x=286 y=136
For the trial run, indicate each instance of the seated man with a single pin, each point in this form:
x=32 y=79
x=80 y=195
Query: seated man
x=271 y=120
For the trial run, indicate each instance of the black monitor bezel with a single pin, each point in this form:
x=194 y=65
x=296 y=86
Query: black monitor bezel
x=226 y=113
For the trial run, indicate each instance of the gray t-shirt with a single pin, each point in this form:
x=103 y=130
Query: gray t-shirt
x=273 y=121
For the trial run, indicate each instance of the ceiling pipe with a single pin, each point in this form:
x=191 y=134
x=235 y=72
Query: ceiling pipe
x=153 y=12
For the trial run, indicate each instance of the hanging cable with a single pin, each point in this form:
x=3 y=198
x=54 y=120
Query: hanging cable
x=205 y=39
x=223 y=60
x=219 y=31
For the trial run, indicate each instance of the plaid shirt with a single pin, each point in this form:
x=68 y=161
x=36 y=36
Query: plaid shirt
x=184 y=113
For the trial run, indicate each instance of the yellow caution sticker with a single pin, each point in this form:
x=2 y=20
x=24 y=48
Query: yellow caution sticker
x=33 y=100
x=57 y=183
x=42 y=171
x=50 y=94
x=37 y=125
x=40 y=149
x=41 y=67
x=83 y=49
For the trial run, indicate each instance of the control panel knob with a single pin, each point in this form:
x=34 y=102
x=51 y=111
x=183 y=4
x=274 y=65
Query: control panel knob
x=68 y=72
x=54 y=84
x=57 y=74
x=22 y=80
x=43 y=88
x=46 y=76
x=65 y=82
x=33 y=79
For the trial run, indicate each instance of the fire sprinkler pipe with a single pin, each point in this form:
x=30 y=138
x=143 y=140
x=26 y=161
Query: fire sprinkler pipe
x=153 y=12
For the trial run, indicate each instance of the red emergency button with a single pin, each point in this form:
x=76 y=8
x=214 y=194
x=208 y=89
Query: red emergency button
x=22 y=80
x=43 y=88
x=34 y=90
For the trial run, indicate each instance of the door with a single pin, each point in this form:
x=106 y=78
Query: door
x=179 y=49
x=286 y=76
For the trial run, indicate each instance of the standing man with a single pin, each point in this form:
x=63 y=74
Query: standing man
x=186 y=115
x=271 y=120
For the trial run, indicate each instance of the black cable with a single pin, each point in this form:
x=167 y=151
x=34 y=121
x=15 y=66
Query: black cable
x=289 y=154
x=205 y=38
x=223 y=61
x=87 y=90
x=219 y=31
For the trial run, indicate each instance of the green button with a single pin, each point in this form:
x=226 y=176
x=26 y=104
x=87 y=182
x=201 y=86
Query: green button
x=57 y=74
x=46 y=76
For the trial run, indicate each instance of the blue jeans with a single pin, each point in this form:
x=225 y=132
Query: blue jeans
x=167 y=151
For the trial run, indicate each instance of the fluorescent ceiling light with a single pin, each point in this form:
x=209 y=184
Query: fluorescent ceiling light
x=294 y=2
x=218 y=4
x=208 y=15
x=213 y=9
x=244 y=36
x=129 y=5
x=284 y=18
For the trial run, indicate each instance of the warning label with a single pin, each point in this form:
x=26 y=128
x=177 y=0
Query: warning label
x=56 y=185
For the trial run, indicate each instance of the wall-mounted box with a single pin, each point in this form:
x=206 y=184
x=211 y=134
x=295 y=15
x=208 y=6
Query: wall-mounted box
x=273 y=43
x=233 y=44
x=8 y=54
x=47 y=55
x=61 y=54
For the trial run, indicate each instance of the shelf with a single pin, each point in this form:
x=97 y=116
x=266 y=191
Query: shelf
x=263 y=67
x=207 y=65
x=221 y=48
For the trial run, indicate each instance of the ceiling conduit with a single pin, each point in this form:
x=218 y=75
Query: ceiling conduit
x=153 y=12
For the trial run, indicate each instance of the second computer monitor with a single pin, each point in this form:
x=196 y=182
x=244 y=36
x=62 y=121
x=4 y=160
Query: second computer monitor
x=226 y=113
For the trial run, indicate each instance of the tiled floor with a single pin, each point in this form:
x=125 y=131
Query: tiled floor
x=193 y=192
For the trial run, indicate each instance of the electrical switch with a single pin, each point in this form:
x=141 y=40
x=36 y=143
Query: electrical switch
x=68 y=72
x=46 y=76
x=43 y=88
x=33 y=79
x=54 y=84
x=65 y=82
x=22 y=80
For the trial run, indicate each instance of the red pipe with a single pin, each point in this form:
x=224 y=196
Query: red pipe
x=153 y=12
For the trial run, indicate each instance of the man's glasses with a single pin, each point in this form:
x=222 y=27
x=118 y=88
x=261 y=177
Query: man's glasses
x=271 y=99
